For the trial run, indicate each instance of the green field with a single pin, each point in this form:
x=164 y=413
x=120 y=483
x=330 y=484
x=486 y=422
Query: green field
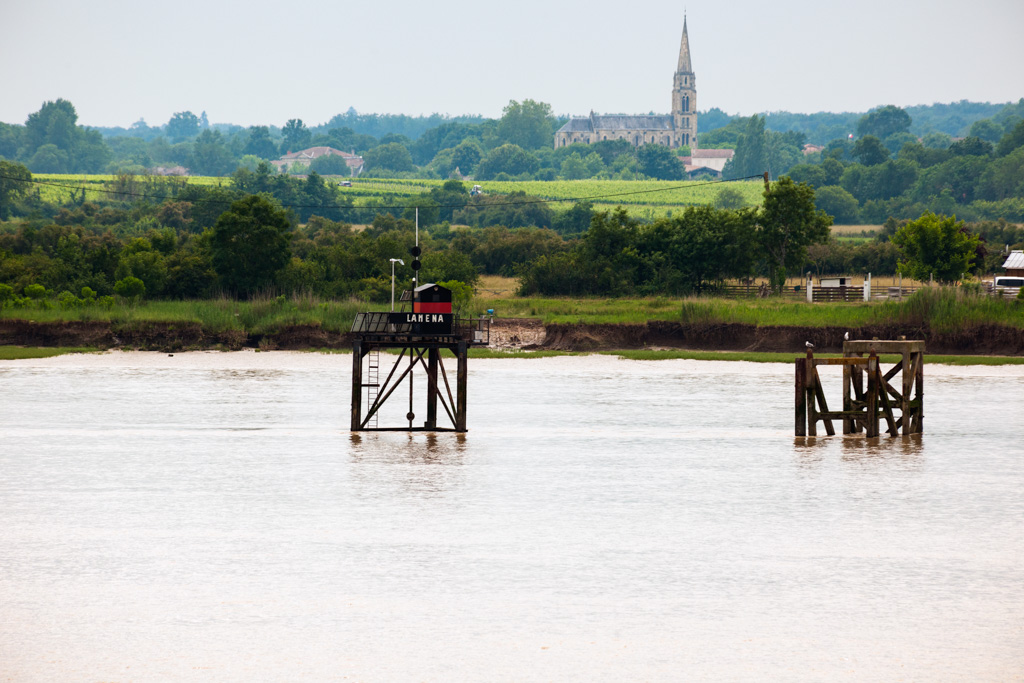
x=641 y=198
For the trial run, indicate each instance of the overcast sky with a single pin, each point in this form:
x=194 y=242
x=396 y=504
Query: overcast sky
x=261 y=62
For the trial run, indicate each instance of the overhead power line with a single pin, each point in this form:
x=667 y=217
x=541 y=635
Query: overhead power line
x=143 y=195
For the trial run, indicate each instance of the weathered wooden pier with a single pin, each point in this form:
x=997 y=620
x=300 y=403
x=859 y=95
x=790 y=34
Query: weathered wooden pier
x=864 y=405
x=421 y=334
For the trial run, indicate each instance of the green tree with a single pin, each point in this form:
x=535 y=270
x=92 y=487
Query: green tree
x=883 y=122
x=10 y=139
x=250 y=244
x=391 y=156
x=788 y=223
x=658 y=161
x=986 y=129
x=1013 y=139
x=260 y=143
x=838 y=203
x=729 y=198
x=971 y=147
x=184 y=125
x=130 y=288
x=936 y=246
x=49 y=159
x=210 y=156
x=296 y=136
x=15 y=183
x=55 y=123
x=870 y=151
x=510 y=159
x=465 y=156
x=529 y=124
x=330 y=164
x=751 y=151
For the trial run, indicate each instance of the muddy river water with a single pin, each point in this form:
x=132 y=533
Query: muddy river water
x=209 y=517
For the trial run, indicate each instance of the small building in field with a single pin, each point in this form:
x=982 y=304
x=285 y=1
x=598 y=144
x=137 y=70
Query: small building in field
x=306 y=157
x=707 y=161
x=1014 y=264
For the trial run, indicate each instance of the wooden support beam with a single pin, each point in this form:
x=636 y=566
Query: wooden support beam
x=355 y=421
x=847 y=401
x=801 y=397
x=819 y=393
x=462 y=354
x=810 y=397
x=871 y=418
x=883 y=395
x=384 y=397
x=432 y=355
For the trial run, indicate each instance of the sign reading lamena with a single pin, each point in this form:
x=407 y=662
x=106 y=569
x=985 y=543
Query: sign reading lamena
x=424 y=323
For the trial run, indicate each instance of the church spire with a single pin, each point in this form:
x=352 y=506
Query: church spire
x=684 y=52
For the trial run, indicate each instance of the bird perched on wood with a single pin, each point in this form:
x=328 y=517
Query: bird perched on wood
x=846 y=336
x=809 y=345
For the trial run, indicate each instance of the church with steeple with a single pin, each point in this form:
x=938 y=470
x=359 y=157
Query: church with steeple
x=675 y=130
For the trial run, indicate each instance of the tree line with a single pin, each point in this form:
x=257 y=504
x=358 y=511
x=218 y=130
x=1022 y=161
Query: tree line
x=887 y=171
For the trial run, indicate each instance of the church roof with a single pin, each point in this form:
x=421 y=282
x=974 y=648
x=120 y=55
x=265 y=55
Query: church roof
x=714 y=153
x=684 y=52
x=616 y=122
x=576 y=126
x=632 y=122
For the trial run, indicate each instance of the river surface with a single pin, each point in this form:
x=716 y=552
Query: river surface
x=208 y=517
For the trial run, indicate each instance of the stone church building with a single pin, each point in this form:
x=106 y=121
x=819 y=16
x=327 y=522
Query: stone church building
x=675 y=130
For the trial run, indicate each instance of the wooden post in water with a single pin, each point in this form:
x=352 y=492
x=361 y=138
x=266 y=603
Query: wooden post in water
x=357 y=385
x=809 y=395
x=432 y=356
x=462 y=352
x=907 y=371
x=801 y=397
x=919 y=384
x=872 y=416
x=848 y=422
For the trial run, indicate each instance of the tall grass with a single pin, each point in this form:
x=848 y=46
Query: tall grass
x=261 y=315
x=943 y=309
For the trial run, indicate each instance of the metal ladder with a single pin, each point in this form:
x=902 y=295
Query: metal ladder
x=372 y=384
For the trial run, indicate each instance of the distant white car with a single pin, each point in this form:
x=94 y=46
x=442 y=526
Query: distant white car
x=1008 y=286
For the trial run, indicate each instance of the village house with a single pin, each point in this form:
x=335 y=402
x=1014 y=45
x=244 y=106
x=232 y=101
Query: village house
x=306 y=156
x=707 y=162
x=1014 y=264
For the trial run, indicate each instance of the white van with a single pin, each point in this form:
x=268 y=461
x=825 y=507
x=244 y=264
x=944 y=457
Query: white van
x=1007 y=285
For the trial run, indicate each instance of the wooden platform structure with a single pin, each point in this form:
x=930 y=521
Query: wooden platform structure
x=864 y=406
x=421 y=338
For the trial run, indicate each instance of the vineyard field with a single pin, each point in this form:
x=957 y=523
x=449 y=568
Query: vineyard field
x=641 y=198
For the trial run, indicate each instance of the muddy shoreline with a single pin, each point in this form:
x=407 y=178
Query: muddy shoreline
x=523 y=334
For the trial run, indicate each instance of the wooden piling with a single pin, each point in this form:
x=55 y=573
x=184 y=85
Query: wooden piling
x=801 y=397
x=432 y=357
x=872 y=407
x=357 y=385
x=462 y=353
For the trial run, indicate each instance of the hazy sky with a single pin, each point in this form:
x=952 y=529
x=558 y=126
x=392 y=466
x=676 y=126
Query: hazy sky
x=261 y=62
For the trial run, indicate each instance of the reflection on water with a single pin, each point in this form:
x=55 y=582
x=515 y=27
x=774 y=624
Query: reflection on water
x=603 y=520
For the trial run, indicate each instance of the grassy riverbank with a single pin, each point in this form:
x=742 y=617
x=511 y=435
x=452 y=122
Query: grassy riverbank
x=24 y=352
x=941 y=309
x=257 y=316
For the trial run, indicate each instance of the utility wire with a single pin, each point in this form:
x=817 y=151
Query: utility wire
x=408 y=206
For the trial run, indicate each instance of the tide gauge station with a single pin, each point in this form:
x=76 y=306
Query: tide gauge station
x=424 y=327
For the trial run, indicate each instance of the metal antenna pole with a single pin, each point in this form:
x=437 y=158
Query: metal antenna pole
x=416 y=273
